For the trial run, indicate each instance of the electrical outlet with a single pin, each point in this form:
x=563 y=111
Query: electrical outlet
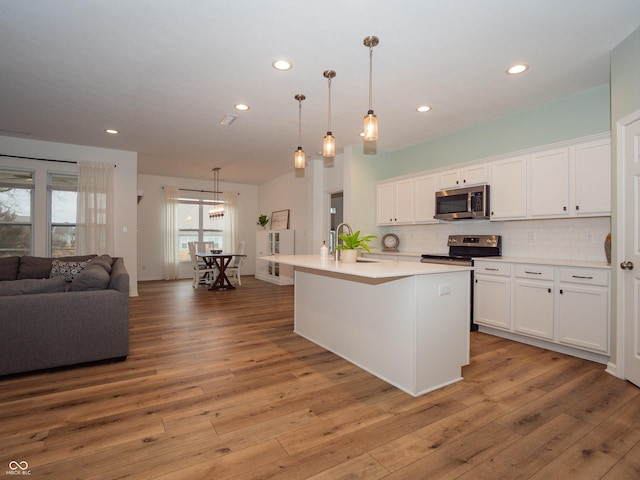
x=444 y=289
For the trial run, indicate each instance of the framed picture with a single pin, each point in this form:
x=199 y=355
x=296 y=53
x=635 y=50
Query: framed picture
x=280 y=220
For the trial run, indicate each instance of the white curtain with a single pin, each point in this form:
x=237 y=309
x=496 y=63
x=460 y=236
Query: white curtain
x=94 y=217
x=230 y=229
x=170 y=263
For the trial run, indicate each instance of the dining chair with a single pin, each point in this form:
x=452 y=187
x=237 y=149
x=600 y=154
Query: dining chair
x=202 y=274
x=233 y=270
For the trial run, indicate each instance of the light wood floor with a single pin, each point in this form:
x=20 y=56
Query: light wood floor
x=217 y=386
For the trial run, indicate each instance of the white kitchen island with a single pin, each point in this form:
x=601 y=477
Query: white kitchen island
x=405 y=322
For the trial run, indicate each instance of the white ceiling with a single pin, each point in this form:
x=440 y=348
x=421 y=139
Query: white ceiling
x=163 y=72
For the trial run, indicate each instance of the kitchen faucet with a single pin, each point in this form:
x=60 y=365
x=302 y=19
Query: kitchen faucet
x=349 y=231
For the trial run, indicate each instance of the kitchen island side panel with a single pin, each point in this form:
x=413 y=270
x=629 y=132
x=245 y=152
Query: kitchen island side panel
x=383 y=325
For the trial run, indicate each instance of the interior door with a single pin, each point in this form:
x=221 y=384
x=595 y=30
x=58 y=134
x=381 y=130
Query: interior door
x=629 y=230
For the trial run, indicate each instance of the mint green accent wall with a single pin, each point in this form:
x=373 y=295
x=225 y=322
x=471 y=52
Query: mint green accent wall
x=625 y=75
x=571 y=117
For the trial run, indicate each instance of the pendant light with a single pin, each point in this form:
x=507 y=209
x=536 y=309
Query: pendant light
x=370 y=119
x=329 y=144
x=217 y=210
x=298 y=159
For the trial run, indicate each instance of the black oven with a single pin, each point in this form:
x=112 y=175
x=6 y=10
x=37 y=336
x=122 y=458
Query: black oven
x=462 y=250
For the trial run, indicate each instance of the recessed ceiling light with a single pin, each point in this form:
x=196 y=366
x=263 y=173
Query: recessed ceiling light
x=516 y=69
x=423 y=108
x=111 y=131
x=282 y=65
x=242 y=107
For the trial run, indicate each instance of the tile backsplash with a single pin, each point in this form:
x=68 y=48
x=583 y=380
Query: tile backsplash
x=568 y=239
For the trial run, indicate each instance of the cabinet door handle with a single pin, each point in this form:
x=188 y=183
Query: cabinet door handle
x=564 y=208
x=582 y=277
x=577 y=207
x=549 y=290
x=561 y=292
x=491 y=269
x=533 y=273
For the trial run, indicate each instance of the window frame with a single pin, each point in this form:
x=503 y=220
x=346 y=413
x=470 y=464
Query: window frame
x=50 y=223
x=203 y=205
x=31 y=186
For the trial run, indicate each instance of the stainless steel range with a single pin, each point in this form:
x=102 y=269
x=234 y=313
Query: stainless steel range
x=462 y=250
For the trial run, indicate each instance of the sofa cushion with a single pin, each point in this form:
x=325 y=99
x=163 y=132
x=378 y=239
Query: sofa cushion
x=78 y=258
x=104 y=261
x=93 y=277
x=67 y=270
x=9 y=268
x=34 y=267
x=33 y=285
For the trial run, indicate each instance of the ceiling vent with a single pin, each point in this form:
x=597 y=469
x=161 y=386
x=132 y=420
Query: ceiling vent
x=227 y=119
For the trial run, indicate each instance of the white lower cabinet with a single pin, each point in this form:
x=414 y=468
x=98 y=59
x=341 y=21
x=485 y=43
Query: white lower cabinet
x=533 y=300
x=492 y=295
x=583 y=303
x=562 y=306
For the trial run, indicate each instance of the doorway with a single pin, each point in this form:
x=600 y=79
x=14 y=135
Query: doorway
x=336 y=214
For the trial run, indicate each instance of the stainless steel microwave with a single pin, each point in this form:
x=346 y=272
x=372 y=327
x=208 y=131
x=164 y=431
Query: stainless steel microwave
x=460 y=203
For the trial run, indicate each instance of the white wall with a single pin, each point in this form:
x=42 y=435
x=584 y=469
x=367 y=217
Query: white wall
x=124 y=183
x=150 y=222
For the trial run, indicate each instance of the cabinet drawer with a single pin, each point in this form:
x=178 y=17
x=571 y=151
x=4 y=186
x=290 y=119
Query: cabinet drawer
x=492 y=268
x=585 y=276
x=538 y=272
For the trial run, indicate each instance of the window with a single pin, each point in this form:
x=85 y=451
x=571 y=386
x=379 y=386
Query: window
x=63 y=193
x=16 y=207
x=194 y=225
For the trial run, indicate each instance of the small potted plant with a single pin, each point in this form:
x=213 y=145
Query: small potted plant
x=352 y=243
x=262 y=221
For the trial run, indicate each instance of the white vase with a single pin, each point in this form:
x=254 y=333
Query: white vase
x=348 y=256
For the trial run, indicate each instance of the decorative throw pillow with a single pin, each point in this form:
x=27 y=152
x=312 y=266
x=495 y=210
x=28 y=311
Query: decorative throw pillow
x=32 y=285
x=104 y=261
x=67 y=270
x=34 y=267
x=9 y=268
x=94 y=277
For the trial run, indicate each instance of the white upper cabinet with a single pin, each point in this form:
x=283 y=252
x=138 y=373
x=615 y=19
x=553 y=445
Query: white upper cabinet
x=509 y=188
x=463 y=177
x=592 y=179
x=394 y=202
x=549 y=183
x=424 y=193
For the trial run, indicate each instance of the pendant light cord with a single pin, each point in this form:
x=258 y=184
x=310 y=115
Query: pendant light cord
x=370 y=77
x=299 y=123
x=329 y=112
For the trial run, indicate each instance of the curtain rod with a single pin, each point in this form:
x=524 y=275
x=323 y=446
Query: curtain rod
x=42 y=159
x=201 y=191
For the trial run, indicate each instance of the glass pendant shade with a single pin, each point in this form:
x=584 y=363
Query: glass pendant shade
x=298 y=159
x=217 y=210
x=329 y=146
x=370 y=127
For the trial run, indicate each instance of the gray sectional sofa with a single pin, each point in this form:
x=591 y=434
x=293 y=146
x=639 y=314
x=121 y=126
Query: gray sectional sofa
x=59 y=312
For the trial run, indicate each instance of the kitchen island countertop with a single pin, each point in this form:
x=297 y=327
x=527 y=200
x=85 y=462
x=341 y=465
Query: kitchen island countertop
x=368 y=268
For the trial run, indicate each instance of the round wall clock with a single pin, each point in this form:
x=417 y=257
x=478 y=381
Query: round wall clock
x=390 y=242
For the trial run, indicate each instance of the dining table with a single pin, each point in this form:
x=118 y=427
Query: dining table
x=219 y=261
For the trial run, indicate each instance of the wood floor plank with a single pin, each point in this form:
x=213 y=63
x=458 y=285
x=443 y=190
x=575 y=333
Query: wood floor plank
x=217 y=388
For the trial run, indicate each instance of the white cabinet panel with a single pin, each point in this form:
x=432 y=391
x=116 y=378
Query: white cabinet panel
x=274 y=242
x=492 y=301
x=509 y=188
x=592 y=178
x=394 y=202
x=533 y=308
x=424 y=205
x=549 y=183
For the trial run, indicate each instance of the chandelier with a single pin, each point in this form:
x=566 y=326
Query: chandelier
x=217 y=210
